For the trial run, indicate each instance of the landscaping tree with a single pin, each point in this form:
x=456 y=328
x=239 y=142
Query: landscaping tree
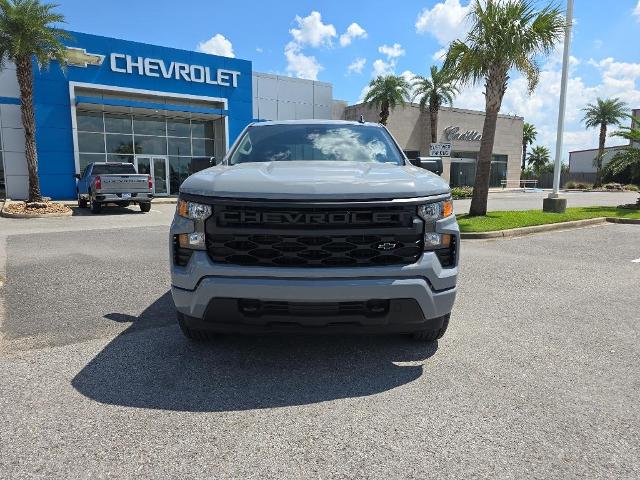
x=601 y=114
x=504 y=35
x=434 y=91
x=529 y=134
x=628 y=156
x=539 y=158
x=386 y=93
x=27 y=31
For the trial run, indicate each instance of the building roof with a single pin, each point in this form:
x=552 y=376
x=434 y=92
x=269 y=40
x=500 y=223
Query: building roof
x=614 y=147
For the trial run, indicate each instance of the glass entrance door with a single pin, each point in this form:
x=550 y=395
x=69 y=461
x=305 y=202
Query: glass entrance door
x=160 y=175
x=158 y=168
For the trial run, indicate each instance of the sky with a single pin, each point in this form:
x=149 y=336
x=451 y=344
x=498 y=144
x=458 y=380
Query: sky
x=347 y=43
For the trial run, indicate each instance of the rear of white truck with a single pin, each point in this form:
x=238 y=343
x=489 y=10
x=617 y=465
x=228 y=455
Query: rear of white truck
x=314 y=227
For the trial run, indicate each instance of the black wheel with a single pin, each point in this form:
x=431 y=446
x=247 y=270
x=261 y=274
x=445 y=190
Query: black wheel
x=433 y=335
x=191 y=333
x=96 y=207
x=145 y=207
x=82 y=202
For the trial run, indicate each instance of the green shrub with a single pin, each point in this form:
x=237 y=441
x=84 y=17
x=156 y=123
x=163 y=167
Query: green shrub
x=613 y=186
x=632 y=188
x=461 y=192
x=584 y=186
x=571 y=185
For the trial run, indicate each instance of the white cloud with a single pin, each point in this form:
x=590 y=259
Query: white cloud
x=259 y=49
x=439 y=55
x=217 y=45
x=353 y=31
x=636 y=11
x=357 y=65
x=446 y=21
x=299 y=64
x=381 y=68
x=392 y=52
x=311 y=31
x=387 y=67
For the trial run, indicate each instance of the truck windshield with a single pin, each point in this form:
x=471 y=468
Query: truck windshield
x=113 y=169
x=331 y=142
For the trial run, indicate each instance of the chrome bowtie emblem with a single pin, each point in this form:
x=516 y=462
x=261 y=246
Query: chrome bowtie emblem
x=387 y=246
x=78 y=57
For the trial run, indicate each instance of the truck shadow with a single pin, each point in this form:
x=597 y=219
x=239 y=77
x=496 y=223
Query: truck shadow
x=158 y=368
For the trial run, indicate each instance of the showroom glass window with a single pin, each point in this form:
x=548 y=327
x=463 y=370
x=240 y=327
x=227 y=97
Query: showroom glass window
x=463 y=171
x=115 y=137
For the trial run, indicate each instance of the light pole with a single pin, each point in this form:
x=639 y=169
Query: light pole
x=554 y=203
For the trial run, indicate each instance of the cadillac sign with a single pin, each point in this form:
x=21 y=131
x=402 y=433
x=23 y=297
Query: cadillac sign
x=456 y=133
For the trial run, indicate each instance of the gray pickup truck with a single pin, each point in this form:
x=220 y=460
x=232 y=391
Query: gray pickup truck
x=116 y=183
x=314 y=226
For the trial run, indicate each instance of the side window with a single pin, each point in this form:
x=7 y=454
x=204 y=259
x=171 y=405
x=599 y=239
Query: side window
x=87 y=171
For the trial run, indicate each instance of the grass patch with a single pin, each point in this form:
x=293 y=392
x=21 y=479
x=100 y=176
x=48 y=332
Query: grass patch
x=495 y=221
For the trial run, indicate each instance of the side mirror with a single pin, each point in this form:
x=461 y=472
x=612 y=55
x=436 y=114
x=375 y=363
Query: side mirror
x=77 y=175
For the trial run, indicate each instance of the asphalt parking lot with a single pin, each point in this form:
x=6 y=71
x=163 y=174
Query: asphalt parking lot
x=537 y=376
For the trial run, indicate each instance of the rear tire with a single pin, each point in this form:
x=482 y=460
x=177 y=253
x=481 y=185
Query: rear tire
x=432 y=335
x=191 y=333
x=145 y=207
x=96 y=207
x=82 y=202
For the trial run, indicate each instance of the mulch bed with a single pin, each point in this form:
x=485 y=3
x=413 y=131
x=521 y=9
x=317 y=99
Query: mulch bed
x=36 y=208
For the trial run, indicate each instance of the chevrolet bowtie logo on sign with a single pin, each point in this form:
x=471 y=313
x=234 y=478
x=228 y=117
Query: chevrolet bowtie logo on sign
x=78 y=57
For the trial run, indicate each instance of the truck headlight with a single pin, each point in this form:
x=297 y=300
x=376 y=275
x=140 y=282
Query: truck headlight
x=430 y=212
x=193 y=210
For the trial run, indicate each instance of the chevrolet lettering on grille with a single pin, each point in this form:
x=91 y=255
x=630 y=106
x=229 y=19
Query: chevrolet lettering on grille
x=312 y=218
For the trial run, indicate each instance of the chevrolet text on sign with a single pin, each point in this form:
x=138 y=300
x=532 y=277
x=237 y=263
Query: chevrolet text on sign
x=153 y=67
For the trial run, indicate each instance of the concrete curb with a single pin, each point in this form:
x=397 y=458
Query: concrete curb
x=518 y=232
x=7 y=202
x=6 y=214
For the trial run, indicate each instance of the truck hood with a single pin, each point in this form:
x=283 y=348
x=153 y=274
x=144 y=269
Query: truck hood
x=315 y=179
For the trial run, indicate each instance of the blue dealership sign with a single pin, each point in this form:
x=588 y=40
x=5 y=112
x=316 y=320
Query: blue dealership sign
x=114 y=64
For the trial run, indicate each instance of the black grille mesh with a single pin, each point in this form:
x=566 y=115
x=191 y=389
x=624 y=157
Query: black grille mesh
x=314 y=251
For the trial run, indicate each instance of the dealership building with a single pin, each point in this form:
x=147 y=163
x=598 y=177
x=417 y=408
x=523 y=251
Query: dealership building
x=165 y=110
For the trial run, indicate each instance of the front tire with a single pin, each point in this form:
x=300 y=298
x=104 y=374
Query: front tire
x=96 y=207
x=434 y=334
x=145 y=207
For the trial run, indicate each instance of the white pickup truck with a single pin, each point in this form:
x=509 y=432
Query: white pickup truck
x=315 y=226
x=116 y=183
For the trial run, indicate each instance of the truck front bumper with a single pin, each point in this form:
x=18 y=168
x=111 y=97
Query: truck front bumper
x=257 y=304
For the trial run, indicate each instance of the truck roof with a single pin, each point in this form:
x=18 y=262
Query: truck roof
x=311 y=122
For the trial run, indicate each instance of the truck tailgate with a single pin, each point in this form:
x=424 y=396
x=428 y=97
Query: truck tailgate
x=124 y=183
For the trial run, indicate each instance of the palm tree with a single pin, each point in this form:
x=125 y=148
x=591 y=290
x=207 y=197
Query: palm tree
x=386 y=93
x=27 y=30
x=628 y=156
x=504 y=35
x=538 y=158
x=434 y=91
x=603 y=113
x=529 y=134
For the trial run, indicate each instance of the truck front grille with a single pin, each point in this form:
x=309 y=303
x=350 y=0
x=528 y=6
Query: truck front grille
x=314 y=237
